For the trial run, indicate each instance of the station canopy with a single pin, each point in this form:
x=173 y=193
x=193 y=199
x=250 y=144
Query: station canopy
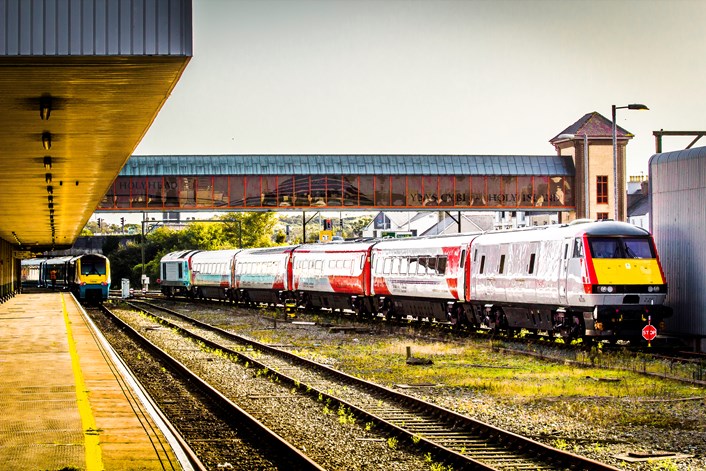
x=79 y=88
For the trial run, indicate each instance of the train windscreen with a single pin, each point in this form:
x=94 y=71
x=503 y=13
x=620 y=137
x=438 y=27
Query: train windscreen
x=621 y=247
x=92 y=266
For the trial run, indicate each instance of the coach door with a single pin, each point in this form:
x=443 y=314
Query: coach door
x=563 y=268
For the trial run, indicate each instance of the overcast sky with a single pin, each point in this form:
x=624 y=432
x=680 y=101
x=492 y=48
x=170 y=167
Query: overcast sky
x=432 y=76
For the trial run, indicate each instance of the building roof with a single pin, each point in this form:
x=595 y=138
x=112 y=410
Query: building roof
x=638 y=204
x=148 y=165
x=594 y=125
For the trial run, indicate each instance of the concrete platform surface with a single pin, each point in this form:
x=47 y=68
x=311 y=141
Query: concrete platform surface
x=64 y=402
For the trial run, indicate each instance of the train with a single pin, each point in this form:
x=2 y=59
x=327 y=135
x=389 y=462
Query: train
x=591 y=280
x=86 y=275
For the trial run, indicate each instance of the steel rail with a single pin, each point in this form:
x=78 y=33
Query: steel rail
x=285 y=453
x=452 y=437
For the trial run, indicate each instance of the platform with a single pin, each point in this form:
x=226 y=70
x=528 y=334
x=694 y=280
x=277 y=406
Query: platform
x=65 y=402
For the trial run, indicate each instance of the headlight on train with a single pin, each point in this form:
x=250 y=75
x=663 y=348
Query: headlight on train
x=605 y=289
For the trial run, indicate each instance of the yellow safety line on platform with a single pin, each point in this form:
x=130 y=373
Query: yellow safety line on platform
x=94 y=458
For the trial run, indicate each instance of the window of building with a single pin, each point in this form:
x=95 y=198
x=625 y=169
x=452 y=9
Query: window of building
x=602 y=189
x=601 y=216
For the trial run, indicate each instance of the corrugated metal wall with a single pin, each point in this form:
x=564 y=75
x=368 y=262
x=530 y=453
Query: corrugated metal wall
x=678 y=189
x=95 y=27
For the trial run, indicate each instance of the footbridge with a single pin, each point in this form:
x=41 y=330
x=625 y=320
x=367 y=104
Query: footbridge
x=367 y=182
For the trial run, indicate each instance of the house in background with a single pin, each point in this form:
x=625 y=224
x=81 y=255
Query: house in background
x=639 y=202
x=425 y=223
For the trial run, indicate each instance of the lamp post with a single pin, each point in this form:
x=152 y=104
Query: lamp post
x=633 y=106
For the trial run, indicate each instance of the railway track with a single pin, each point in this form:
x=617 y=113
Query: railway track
x=668 y=361
x=217 y=433
x=450 y=437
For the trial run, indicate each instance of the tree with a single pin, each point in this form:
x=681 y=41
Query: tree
x=356 y=229
x=253 y=229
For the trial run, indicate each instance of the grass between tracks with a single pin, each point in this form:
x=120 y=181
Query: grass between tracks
x=471 y=368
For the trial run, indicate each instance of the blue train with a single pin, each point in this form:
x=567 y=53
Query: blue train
x=87 y=275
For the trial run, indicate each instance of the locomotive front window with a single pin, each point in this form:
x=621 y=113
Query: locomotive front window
x=605 y=247
x=93 y=267
x=638 y=248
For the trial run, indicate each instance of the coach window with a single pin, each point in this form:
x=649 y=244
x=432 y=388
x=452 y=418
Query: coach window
x=501 y=269
x=578 y=248
x=422 y=266
x=531 y=264
x=482 y=263
x=412 y=268
x=387 y=267
x=181 y=272
x=441 y=265
x=396 y=266
x=431 y=266
x=404 y=262
x=463 y=258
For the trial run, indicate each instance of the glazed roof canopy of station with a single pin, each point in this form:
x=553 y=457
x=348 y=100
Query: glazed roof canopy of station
x=80 y=84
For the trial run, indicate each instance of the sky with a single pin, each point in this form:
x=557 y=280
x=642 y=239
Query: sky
x=484 y=77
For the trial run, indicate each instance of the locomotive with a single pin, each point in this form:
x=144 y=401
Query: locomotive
x=87 y=275
x=592 y=280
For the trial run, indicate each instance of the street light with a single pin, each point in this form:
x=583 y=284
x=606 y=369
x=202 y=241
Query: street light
x=634 y=106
